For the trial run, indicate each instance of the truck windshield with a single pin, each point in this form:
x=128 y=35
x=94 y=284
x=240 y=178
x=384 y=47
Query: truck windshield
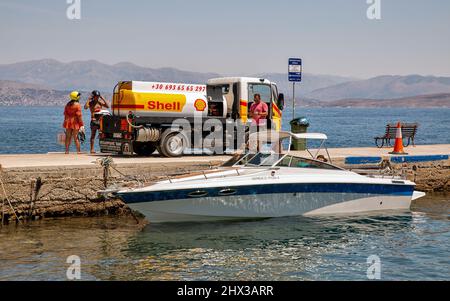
x=262 y=89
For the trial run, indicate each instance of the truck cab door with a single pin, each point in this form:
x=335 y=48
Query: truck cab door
x=277 y=108
x=265 y=90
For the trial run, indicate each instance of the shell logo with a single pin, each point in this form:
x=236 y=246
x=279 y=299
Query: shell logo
x=200 y=105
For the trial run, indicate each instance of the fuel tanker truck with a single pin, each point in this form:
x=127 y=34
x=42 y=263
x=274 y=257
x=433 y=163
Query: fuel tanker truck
x=145 y=115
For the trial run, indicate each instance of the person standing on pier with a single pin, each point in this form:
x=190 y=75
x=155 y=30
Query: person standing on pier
x=259 y=111
x=73 y=121
x=95 y=104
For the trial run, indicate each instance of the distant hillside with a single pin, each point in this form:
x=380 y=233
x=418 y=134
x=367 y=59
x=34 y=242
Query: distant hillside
x=9 y=85
x=421 y=101
x=309 y=83
x=89 y=75
x=48 y=82
x=16 y=93
x=384 y=87
x=304 y=102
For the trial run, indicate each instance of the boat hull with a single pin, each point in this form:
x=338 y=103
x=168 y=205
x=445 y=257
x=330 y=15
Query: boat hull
x=268 y=201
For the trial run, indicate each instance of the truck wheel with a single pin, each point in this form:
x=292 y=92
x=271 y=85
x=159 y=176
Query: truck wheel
x=144 y=148
x=172 y=144
x=158 y=148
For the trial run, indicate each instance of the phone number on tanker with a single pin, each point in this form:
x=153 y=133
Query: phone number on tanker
x=184 y=88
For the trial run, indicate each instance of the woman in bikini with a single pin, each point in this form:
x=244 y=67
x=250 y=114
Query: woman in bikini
x=73 y=121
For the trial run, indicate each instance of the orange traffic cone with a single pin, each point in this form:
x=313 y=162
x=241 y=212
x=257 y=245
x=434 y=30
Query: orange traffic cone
x=398 y=146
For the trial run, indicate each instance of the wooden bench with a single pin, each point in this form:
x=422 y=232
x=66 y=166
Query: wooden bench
x=409 y=131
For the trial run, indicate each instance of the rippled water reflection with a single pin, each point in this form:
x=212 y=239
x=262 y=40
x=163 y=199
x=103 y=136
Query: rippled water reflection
x=412 y=245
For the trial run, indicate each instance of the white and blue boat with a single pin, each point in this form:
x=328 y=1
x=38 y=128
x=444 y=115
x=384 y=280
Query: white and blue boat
x=269 y=184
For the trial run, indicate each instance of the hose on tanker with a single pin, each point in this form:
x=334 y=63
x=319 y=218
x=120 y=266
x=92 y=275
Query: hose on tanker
x=149 y=134
x=132 y=125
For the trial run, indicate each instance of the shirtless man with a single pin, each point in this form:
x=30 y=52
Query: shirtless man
x=95 y=104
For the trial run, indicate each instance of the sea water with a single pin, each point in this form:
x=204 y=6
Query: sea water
x=35 y=129
x=408 y=246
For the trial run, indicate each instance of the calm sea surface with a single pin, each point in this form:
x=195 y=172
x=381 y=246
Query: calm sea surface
x=34 y=129
x=411 y=246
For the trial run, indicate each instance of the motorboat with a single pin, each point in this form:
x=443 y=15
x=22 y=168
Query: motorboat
x=266 y=183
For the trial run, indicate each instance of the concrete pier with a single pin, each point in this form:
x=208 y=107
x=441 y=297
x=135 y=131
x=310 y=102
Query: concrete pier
x=55 y=184
x=47 y=185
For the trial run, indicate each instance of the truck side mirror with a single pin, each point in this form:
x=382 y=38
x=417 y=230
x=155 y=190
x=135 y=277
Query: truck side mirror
x=280 y=101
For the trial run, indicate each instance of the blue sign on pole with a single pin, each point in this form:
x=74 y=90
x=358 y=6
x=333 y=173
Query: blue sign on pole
x=295 y=70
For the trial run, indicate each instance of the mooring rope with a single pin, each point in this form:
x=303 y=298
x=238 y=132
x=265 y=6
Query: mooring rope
x=107 y=163
x=7 y=199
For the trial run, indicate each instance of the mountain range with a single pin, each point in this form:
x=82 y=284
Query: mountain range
x=383 y=87
x=48 y=82
x=89 y=75
x=441 y=100
x=16 y=93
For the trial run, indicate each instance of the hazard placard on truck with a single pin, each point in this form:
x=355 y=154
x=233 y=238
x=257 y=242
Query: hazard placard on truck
x=143 y=112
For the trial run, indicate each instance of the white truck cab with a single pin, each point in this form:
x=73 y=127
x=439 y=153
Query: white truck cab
x=239 y=94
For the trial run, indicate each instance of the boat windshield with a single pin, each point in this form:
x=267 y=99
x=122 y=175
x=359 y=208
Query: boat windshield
x=299 y=162
x=264 y=159
x=240 y=159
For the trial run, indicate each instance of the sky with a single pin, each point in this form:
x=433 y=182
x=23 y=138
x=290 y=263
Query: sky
x=235 y=36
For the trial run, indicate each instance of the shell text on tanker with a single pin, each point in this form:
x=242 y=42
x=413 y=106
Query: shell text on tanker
x=164 y=102
x=164 y=106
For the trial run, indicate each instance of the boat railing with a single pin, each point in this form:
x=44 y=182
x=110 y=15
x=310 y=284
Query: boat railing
x=382 y=171
x=203 y=173
x=169 y=178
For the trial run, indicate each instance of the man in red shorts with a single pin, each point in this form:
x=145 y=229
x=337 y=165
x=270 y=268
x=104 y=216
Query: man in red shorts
x=95 y=104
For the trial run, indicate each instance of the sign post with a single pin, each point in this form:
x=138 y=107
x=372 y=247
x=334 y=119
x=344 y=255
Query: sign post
x=295 y=75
